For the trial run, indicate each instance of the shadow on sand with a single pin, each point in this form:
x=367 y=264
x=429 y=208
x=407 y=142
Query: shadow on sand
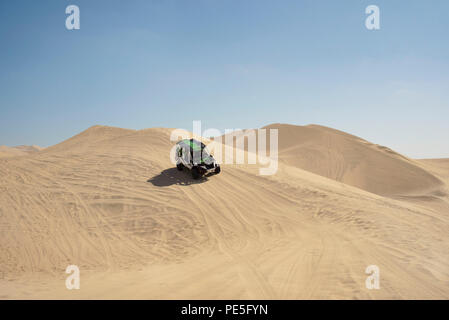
x=172 y=176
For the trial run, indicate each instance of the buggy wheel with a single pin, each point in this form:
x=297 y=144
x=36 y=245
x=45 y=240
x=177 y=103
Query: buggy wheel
x=217 y=170
x=195 y=173
x=180 y=166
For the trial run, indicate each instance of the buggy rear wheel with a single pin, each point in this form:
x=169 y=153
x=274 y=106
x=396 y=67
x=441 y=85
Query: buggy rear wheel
x=195 y=173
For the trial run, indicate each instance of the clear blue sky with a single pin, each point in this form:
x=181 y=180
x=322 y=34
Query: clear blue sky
x=232 y=64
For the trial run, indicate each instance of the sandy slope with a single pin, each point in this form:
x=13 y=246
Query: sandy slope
x=109 y=201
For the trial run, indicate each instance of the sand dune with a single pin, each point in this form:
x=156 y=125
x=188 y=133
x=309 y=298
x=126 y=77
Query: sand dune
x=343 y=157
x=18 y=151
x=109 y=201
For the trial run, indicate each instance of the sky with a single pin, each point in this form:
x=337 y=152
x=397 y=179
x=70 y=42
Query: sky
x=228 y=63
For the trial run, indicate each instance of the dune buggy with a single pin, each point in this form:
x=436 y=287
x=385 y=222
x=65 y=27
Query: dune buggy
x=193 y=155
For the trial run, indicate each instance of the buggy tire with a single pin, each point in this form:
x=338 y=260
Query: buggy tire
x=195 y=173
x=217 y=170
x=179 y=166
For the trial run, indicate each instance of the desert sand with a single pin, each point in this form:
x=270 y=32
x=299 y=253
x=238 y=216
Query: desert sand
x=109 y=201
